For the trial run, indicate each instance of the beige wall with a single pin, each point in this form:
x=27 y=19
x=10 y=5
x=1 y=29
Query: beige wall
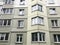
x=28 y=28
x=53 y=30
x=13 y=38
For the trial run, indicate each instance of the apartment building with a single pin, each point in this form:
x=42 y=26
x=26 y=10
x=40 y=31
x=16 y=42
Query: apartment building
x=29 y=22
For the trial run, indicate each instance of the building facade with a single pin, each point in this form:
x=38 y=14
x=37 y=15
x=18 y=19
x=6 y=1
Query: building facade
x=29 y=22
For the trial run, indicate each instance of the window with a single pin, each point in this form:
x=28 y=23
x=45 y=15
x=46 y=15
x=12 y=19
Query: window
x=54 y=23
x=38 y=36
x=56 y=37
x=51 y=1
x=37 y=20
x=7 y=10
x=4 y=36
x=8 y=1
x=37 y=7
x=21 y=12
x=21 y=23
x=19 y=38
x=5 y=22
x=22 y=2
x=52 y=11
x=1 y=9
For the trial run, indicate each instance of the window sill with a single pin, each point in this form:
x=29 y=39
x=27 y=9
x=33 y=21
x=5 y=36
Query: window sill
x=19 y=42
x=51 y=3
x=6 y=14
x=55 y=27
x=56 y=42
x=38 y=41
x=20 y=27
x=36 y=10
x=9 y=3
x=53 y=14
x=4 y=41
x=22 y=4
x=5 y=26
x=20 y=15
x=38 y=24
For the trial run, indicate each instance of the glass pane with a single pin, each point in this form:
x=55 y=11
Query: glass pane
x=56 y=23
x=58 y=38
x=7 y=11
x=5 y=22
x=4 y=10
x=21 y=39
x=17 y=39
x=2 y=38
x=34 y=37
x=55 y=39
x=40 y=37
x=43 y=37
x=11 y=11
x=33 y=21
x=52 y=21
x=1 y=21
x=6 y=37
x=9 y=22
x=21 y=23
x=40 y=7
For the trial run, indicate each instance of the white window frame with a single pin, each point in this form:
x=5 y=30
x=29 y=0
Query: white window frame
x=21 y=23
x=38 y=36
x=51 y=1
x=21 y=12
x=4 y=36
x=52 y=11
x=54 y=23
x=3 y=20
x=37 y=20
x=19 y=36
x=7 y=10
x=57 y=38
x=9 y=1
x=22 y=3
x=37 y=7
